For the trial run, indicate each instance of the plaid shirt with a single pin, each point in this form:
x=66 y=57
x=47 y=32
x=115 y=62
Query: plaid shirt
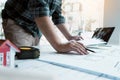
x=23 y=12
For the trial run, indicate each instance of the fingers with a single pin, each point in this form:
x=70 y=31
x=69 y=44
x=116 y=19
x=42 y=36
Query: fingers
x=79 y=38
x=82 y=48
x=78 y=47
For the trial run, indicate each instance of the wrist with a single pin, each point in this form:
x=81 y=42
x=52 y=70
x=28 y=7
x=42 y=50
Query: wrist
x=64 y=47
x=69 y=37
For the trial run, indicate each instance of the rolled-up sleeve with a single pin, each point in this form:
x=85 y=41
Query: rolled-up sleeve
x=38 y=8
x=57 y=16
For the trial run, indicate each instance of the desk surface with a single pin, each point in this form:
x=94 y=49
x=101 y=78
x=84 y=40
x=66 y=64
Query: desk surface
x=102 y=65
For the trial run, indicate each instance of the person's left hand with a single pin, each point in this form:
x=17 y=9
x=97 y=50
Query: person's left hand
x=75 y=38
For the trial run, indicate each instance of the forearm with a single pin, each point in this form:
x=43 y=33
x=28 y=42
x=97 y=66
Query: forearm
x=64 y=30
x=47 y=28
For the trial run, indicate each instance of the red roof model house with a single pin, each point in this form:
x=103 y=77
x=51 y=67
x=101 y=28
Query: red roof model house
x=7 y=53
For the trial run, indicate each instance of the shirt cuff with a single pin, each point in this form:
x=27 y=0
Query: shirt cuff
x=59 y=21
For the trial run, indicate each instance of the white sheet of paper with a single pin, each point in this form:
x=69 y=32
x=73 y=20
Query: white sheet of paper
x=103 y=61
x=92 y=41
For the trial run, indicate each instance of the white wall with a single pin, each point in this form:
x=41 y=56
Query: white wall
x=112 y=18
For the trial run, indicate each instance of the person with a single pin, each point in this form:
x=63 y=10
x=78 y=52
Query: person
x=25 y=20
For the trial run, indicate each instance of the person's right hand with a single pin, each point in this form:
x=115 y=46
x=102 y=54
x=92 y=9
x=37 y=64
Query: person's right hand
x=74 y=46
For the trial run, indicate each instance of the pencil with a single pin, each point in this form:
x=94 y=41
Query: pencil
x=90 y=50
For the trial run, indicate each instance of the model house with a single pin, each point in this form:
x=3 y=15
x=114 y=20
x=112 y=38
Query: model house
x=7 y=53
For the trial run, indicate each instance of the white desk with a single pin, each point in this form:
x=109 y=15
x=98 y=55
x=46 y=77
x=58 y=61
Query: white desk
x=103 y=65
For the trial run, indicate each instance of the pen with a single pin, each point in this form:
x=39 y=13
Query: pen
x=79 y=33
x=90 y=50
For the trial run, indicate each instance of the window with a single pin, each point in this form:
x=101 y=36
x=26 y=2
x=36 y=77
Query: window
x=83 y=15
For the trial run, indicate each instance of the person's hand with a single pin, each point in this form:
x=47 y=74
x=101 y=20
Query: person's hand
x=75 y=38
x=73 y=45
